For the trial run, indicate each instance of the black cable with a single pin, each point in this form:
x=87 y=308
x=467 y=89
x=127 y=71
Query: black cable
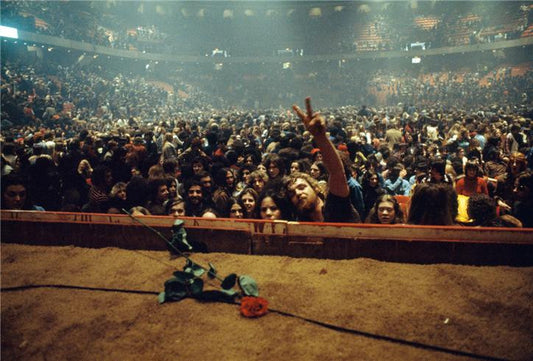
x=28 y=287
x=391 y=339
x=283 y=313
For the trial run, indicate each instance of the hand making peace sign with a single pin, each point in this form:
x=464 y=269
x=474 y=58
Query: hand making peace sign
x=314 y=122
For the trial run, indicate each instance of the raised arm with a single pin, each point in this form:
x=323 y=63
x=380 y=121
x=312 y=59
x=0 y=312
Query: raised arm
x=316 y=125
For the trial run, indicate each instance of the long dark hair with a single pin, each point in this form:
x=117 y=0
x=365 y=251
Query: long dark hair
x=278 y=193
x=373 y=213
x=255 y=195
x=433 y=204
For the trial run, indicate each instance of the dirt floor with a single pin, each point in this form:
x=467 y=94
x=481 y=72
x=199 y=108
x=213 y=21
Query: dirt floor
x=486 y=311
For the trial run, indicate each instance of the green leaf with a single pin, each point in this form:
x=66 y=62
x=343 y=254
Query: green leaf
x=248 y=286
x=212 y=273
x=196 y=287
x=194 y=268
x=231 y=292
x=183 y=277
x=229 y=281
x=175 y=290
x=161 y=297
x=197 y=270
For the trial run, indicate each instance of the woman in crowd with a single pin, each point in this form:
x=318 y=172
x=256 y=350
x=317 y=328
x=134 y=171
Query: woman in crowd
x=433 y=204
x=258 y=179
x=236 y=210
x=85 y=170
x=372 y=190
x=275 y=166
x=320 y=173
x=243 y=178
x=248 y=198
x=172 y=186
x=316 y=155
x=386 y=210
x=273 y=205
x=301 y=165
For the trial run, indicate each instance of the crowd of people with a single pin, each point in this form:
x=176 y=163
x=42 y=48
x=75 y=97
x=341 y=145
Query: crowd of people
x=394 y=24
x=86 y=144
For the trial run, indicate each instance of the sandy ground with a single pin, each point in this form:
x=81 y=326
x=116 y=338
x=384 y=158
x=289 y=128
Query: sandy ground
x=481 y=310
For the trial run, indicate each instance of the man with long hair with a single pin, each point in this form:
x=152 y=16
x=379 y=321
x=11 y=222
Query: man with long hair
x=303 y=190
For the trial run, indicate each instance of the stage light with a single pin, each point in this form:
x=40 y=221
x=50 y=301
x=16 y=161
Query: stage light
x=228 y=14
x=315 y=12
x=8 y=32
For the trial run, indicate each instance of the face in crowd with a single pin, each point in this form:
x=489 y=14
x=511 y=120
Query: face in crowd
x=249 y=160
x=258 y=184
x=246 y=175
x=522 y=192
x=230 y=178
x=172 y=190
x=207 y=183
x=269 y=209
x=295 y=167
x=436 y=175
x=386 y=212
x=122 y=194
x=236 y=211
x=195 y=194
x=14 y=197
x=373 y=181
x=471 y=173
x=249 y=203
x=302 y=195
x=273 y=170
x=177 y=210
x=314 y=171
x=162 y=193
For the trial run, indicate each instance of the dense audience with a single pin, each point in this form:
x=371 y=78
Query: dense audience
x=81 y=142
x=353 y=28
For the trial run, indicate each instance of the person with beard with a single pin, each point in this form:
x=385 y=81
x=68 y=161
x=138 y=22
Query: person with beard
x=194 y=198
x=303 y=190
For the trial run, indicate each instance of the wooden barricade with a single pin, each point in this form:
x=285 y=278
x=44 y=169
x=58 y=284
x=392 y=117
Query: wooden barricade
x=398 y=243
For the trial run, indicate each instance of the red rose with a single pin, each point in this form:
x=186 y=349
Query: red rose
x=253 y=306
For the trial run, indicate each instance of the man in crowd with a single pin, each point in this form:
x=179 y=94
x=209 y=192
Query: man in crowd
x=303 y=190
x=194 y=198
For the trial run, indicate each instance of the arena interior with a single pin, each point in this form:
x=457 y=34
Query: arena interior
x=361 y=172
